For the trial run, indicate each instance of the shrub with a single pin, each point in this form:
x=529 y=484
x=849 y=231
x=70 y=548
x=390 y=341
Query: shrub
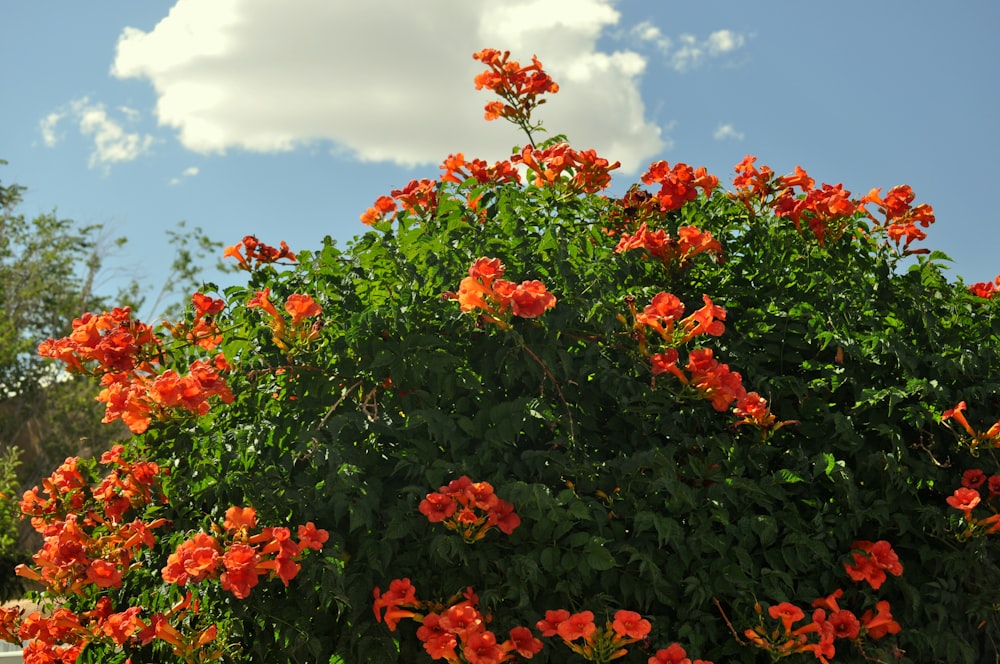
x=685 y=419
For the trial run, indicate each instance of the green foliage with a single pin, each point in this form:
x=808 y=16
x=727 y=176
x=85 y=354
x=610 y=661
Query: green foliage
x=9 y=513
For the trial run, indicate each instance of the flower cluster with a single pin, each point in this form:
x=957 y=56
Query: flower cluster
x=990 y=437
x=454 y=631
x=985 y=289
x=828 y=210
x=85 y=538
x=89 y=543
x=203 y=331
x=579 y=171
x=458 y=170
x=519 y=87
x=679 y=184
x=63 y=635
x=710 y=379
x=126 y=354
x=825 y=211
x=901 y=218
x=244 y=555
x=829 y=622
x=581 y=635
x=469 y=508
x=969 y=496
x=871 y=561
x=677 y=252
x=298 y=330
x=496 y=298
x=251 y=253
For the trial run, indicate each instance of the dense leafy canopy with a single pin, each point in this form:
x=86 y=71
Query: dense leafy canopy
x=713 y=426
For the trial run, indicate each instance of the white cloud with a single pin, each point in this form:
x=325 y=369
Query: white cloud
x=724 y=41
x=383 y=81
x=727 y=131
x=48 y=127
x=112 y=142
x=648 y=33
x=188 y=172
x=686 y=51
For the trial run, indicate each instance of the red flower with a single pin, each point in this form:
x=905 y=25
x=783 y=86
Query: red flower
x=672 y=654
x=578 y=625
x=973 y=478
x=240 y=518
x=550 y=625
x=482 y=648
x=845 y=624
x=788 y=613
x=437 y=507
x=881 y=623
x=311 y=537
x=630 y=624
x=531 y=299
x=964 y=499
x=524 y=643
x=871 y=562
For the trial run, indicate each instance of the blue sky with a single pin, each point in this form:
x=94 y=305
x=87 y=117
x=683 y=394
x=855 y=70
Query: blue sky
x=287 y=119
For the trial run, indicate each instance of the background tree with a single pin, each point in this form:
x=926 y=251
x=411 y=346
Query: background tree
x=49 y=268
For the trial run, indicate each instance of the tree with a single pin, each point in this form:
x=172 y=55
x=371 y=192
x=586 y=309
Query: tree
x=690 y=419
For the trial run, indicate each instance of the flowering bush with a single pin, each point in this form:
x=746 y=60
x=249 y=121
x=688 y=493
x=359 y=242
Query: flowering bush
x=692 y=413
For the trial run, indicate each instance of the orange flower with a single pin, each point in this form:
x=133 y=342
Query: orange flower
x=880 y=623
x=518 y=86
x=788 y=613
x=631 y=625
x=964 y=499
x=240 y=518
x=531 y=299
x=311 y=537
x=383 y=207
x=577 y=626
x=300 y=307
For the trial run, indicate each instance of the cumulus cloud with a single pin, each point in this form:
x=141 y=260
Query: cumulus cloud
x=188 y=172
x=387 y=81
x=113 y=143
x=727 y=132
x=687 y=51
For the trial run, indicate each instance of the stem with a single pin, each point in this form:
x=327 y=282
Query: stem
x=555 y=384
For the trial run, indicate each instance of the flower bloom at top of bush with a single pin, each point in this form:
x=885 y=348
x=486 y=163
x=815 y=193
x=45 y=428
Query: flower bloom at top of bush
x=985 y=289
x=484 y=290
x=470 y=509
x=519 y=87
x=901 y=218
x=588 y=173
x=677 y=252
x=679 y=184
x=251 y=253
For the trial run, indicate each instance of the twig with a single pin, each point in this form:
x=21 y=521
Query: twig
x=555 y=384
